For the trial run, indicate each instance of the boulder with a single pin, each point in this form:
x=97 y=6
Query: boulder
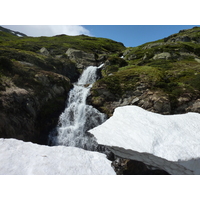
x=81 y=58
x=164 y=55
x=149 y=46
x=44 y=51
x=197 y=59
x=195 y=107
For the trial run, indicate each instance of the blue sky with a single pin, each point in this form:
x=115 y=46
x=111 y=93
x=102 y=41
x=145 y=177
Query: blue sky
x=134 y=35
x=129 y=35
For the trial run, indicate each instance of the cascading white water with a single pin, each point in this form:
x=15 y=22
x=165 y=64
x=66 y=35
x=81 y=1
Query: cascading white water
x=79 y=117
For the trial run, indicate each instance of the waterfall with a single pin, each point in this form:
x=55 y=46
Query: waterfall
x=78 y=117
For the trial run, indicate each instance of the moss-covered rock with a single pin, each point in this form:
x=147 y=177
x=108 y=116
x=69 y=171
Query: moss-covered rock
x=112 y=64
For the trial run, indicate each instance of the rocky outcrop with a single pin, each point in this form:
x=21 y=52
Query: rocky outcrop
x=187 y=35
x=155 y=101
x=84 y=59
x=149 y=46
x=164 y=55
x=175 y=38
x=194 y=106
x=31 y=102
x=44 y=51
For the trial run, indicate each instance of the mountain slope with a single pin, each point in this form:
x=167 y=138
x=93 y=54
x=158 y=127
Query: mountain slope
x=15 y=33
x=161 y=76
x=58 y=44
x=36 y=75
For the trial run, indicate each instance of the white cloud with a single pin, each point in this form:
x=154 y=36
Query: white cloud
x=49 y=30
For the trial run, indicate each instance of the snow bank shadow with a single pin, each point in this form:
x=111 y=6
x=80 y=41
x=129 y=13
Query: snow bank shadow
x=189 y=167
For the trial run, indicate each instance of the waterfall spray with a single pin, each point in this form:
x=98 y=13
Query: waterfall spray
x=79 y=117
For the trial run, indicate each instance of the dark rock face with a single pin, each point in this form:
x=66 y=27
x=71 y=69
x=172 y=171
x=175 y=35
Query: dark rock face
x=65 y=67
x=30 y=105
x=139 y=168
x=133 y=167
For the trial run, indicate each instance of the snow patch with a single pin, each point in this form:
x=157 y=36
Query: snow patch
x=175 y=138
x=25 y=158
x=19 y=35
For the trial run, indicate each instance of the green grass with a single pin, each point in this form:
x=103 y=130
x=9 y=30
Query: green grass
x=59 y=44
x=173 y=78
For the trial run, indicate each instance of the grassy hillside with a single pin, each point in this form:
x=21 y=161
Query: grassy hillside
x=34 y=84
x=59 y=44
x=170 y=66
